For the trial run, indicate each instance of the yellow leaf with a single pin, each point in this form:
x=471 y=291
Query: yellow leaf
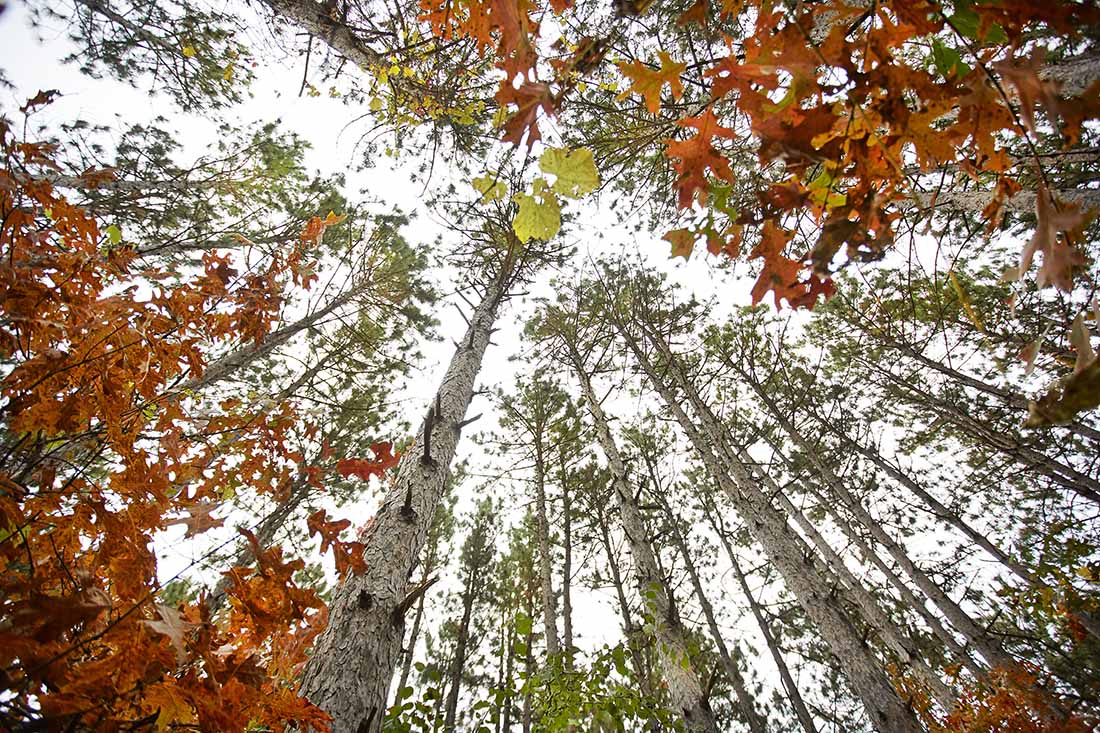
x=539 y=214
x=683 y=242
x=189 y=52
x=648 y=82
x=228 y=73
x=574 y=171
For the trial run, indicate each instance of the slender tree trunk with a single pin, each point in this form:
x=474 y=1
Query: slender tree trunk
x=504 y=722
x=935 y=505
x=529 y=664
x=410 y=645
x=567 y=571
x=974 y=635
x=352 y=664
x=684 y=689
x=630 y=632
x=793 y=695
x=458 y=664
x=546 y=569
x=739 y=464
x=792 y=558
x=756 y=722
x=242 y=356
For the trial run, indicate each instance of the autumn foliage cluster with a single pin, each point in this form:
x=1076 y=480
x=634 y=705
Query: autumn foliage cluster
x=105 y=446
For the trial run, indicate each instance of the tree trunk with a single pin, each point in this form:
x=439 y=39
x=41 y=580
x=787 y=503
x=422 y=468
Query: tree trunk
x=567 y=570
x=349 y=672
x=787 y=551
x=684 y=689
x=740 y=465
x=630 y=632
x=935 y=505
x=974 y=635
x=795 y=697
x=458 y=664
x=756 y=722
x=546 y=570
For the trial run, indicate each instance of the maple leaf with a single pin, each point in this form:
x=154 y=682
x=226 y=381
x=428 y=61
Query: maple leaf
x=732 y=74
x=694 y=156
x=648 y=82
x=1059 y=256
x=1081 y=340
x=682 y=241
x=348 y=555
x=539 y=213
x=173 y=626
x=316 y=226
x=363 y=468
x=528 y=98
x=198 y=518
x=815 y=286
x=1067 y=398
x=171 y=704
x=574 y=171
x=1032 y=90
x=780 y=273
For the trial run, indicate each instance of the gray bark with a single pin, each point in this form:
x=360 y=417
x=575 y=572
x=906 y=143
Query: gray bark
x=684 y=689
x=546 y=571
x=740 y=463
x=805 y=719
x=315 y=19
x=349 y=672
x=459 y=661
x=567 y=570
x=963 y=623
x=935 y=505
x=242 y=356
x=788 y=552
x=757 y=723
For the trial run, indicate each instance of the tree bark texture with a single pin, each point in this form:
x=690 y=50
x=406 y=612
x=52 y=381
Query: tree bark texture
x=349 y=672
x=793 y=559
x=684 y=689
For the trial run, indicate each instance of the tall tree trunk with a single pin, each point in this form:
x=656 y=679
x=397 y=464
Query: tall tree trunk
x=793 y=695
x=529 y=663
x=934 y=505
x=546 y=569
x=567 y=570
x=352 y=664
x=974 y=635
x=246 y=354
x=458 y=664
x=410 y=645
x=630 y=631
x=684 y=689
x=740 y=464
x=757 y=723
x=787 y=551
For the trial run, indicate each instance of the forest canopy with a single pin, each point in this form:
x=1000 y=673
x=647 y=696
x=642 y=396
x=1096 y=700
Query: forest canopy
x=733 y=366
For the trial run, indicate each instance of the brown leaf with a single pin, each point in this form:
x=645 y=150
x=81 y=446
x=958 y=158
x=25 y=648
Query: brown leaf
x=173 y=626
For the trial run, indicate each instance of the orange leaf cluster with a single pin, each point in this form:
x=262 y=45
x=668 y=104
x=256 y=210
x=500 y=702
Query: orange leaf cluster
x=103 y=451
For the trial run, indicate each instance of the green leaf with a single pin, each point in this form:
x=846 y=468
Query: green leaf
x=575 y=171
x=114 y=234
x=539 y=215
x=523 y=624
x=490 y=188
x=948 y=61
x=967 y=22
